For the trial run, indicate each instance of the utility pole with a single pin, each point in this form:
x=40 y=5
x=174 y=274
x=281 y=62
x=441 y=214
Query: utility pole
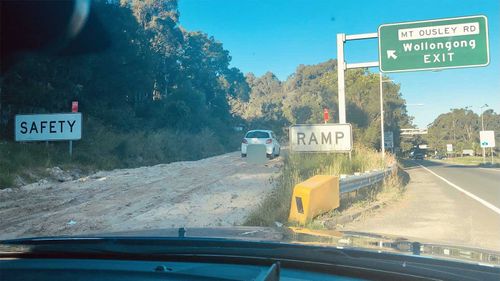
x=482 y=129
x=381 y=116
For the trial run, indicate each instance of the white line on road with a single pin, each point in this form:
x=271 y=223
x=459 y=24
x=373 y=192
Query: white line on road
x=485 y=203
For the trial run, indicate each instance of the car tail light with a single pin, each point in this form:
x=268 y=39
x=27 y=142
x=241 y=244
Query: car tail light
x=269 y=141
x=245 y=141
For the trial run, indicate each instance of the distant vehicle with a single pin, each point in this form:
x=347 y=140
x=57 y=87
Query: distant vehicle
x=265 y=137
x=418 y=156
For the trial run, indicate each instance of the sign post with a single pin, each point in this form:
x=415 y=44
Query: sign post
x=342 y=66
x=382 y=138
x=74 y=109
x=434 y=44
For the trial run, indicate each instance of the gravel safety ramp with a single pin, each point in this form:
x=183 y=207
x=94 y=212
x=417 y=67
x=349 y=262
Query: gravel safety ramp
x=216 y=191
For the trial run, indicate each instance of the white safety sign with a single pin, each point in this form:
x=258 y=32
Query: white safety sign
x=48 y=127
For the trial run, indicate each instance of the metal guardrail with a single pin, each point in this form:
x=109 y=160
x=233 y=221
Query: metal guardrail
x=356 y=182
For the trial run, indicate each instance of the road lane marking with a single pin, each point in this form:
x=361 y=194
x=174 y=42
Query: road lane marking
x=485 y=203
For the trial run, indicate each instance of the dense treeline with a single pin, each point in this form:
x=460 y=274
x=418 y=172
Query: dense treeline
x=161 y=93
x=303 y=96
x=156 y=79
x=155 y=75
x=461 y=127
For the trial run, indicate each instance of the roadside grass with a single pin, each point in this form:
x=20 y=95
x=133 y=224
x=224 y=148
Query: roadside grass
x=299 y=167
x=27 y=162
x=356 y=203
x=407 y=163
x=103 y=148
x=470 y=160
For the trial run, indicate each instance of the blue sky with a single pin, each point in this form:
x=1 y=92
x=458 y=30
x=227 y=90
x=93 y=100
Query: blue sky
x=278 y=35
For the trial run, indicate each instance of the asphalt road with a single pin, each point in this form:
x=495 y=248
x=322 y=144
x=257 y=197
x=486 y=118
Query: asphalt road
x=482 y=183
x=444 y=203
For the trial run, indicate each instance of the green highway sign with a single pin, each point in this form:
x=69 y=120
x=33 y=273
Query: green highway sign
x=434 y=44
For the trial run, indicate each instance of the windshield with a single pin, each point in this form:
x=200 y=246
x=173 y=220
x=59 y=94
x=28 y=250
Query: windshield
x=125 y=115
x=257 y=134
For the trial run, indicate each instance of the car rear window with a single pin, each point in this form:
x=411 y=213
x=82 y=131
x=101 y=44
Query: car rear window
x=258 y=135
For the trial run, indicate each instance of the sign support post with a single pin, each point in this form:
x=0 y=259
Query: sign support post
x=70 y=148
x=342 y=66
x=340 y=74
x=382 y=142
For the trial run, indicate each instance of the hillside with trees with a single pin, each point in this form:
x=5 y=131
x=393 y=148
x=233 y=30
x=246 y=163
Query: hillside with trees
x=161 y=93
x=460 y=127
x=303 y=96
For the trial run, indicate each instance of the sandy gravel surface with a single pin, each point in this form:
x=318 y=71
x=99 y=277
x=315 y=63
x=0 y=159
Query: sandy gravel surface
x=217 y=191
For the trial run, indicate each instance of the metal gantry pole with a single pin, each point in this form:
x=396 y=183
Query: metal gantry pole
x=382 y=144
x=341 y=80
x=342 y=66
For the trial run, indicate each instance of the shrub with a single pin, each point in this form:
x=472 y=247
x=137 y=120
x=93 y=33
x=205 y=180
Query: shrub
x=301 y=166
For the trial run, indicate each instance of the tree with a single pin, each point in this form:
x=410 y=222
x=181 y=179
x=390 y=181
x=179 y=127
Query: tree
x=459 y=127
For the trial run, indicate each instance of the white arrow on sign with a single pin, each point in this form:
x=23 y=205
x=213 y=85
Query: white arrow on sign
x=391 y=54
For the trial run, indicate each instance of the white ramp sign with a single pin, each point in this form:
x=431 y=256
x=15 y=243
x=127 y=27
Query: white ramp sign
x=48 y=127
x=321 y=138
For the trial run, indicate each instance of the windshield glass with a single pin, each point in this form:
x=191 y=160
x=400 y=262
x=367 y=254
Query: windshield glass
x=125 y=115
x=257 y=134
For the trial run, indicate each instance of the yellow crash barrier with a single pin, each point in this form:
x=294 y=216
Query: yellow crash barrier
x=314 y=196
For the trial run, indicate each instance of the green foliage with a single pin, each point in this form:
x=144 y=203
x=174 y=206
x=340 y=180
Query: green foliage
x=301 y=166
x=160 y=85
x=303 y=96
x=460 y=127
x=110 y=149
x=156 y=87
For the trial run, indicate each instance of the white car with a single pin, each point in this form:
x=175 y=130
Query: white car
x=265 y=137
